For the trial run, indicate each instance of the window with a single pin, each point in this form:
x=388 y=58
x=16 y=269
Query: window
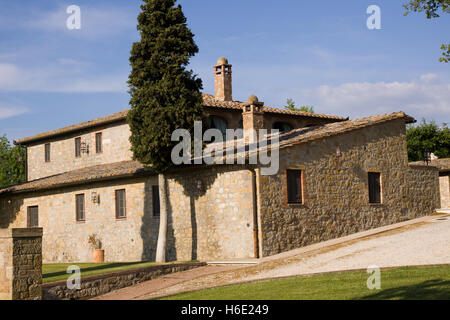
x=215 y=122
x=294 y=186
x=155 y=197
x=77 y=147
x=282 y=126
x=374 y=187
x=79 y=199
x=121 y=204
x=47 y=152
x=98 y=142
x=33 y=217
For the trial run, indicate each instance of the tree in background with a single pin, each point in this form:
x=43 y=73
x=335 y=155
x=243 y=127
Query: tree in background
x=431 y=8
x=12 y=163
x=164 y=95
x=291 y=106
x=427 y=136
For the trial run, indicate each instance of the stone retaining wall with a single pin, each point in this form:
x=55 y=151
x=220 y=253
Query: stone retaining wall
x=20 y=264
x=101 y=284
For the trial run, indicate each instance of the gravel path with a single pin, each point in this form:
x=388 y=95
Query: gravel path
x=422 y=243
x=427 y=243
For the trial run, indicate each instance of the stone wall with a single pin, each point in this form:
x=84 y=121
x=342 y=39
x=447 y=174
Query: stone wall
x=336 y=188
x=215 y=222
x=66 y=240
x=115 y=148
x=20 y=264
x=422 y=192
x=444 y=187
x=97 y=285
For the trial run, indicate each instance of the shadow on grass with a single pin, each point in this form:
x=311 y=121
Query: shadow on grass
x=95 y=268
x=436 y=289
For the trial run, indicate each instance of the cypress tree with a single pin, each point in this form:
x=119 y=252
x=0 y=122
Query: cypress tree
x=164 y=95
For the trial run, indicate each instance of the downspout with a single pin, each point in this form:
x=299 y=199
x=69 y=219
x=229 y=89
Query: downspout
x=255 y=213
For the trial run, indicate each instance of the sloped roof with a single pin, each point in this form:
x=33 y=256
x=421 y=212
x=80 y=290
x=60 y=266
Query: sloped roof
x=208 y=101
x=441 y=164
x=303 y=135
x=90 y=174
x=135 y=169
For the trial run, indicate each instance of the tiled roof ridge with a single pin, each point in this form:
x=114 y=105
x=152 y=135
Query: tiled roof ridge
x=208 y=100
x=132 y=168
x=443 y=164
x=129 y=168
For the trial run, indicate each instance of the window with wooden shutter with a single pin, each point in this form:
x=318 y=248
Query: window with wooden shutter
x=374 y=187
x=47 y=152
x=33 y=217
x=80 y=212
x=121 y=204
x=77 y=147
x=98 y=142
x=294 y=186
x=155 y=197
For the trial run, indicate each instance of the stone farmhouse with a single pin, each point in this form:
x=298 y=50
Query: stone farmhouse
x=336 y=176
x=443 y=166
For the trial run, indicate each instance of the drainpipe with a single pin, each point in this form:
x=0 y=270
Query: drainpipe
x=255 y=214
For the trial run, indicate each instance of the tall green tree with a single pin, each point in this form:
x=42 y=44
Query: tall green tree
x=290 y=105
x=164 y=95
x=12 y=163
x=427 y=136
x=431 y=9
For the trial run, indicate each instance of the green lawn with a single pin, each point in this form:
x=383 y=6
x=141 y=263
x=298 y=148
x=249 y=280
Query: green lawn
x=400 y=283
x=57 y=271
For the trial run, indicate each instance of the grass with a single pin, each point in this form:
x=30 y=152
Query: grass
x=431 y=282
x=58 y=271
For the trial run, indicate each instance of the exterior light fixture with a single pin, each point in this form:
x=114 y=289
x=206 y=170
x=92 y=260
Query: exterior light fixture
x=95 y=197
x=338 y=152
x=199 y=185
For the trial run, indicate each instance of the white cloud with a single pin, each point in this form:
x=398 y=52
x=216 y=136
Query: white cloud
x=95 y=21
x=7 y=110
x=63 y=77
x=429 y=77
x=426 y=97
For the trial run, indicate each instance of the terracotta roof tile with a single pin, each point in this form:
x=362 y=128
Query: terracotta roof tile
x=441 y=164
x=303 y=135
x=91 y=174
x=134 y=169
x=208 y=100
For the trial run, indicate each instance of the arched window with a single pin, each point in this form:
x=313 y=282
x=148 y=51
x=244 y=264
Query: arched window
x=282 y=126
x=216 y=122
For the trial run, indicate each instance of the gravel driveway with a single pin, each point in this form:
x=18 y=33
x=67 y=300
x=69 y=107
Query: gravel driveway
x=421 y=243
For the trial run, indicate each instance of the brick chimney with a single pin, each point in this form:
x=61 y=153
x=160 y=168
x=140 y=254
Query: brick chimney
x=252 y=116
x=222 y=80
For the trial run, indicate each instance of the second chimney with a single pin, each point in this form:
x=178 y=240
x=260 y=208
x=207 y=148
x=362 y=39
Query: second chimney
x=222 y=80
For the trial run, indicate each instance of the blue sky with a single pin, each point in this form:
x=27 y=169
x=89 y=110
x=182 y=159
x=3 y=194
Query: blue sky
x=318 y=53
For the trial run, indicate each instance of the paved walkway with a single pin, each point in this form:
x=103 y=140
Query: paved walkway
x=416 y=242
x=139 y=290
